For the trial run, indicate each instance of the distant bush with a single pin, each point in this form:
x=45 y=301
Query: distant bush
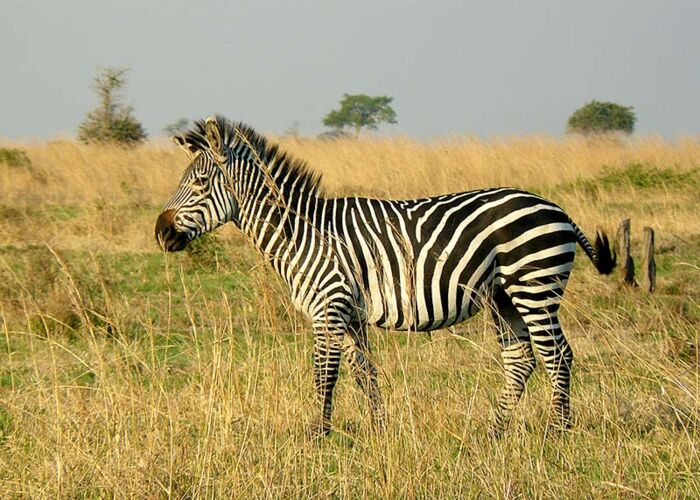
x=13 y=157
x=598 y=117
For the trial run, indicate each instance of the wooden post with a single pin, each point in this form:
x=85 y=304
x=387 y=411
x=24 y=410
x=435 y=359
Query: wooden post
x=648 y=263
x=623 y=250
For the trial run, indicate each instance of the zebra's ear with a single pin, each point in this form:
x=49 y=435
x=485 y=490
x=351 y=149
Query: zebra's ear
x=216 y=145
x=189 y=148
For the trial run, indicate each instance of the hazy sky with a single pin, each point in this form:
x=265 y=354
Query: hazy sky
x=487 y=68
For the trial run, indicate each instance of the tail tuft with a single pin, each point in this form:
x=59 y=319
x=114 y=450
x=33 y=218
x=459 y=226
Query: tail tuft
x=605 y=258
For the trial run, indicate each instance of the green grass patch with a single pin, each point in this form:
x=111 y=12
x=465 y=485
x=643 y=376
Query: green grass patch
x=113 y=294
x=640 y=176
x=6 y=426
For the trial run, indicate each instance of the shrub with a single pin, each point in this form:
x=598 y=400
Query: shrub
x=13 y=157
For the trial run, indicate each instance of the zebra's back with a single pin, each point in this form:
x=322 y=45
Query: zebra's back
x=426 y=264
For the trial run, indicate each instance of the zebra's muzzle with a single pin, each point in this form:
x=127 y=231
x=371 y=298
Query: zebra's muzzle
x=169 y=238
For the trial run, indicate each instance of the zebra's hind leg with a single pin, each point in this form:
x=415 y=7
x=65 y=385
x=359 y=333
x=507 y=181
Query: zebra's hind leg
x=518 y=358
x=548 y=337
x=357 y=352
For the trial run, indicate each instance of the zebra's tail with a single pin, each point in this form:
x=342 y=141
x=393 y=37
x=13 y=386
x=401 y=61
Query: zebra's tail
x=602 y=256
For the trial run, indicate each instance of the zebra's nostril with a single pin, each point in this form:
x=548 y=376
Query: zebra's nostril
x=165 y=221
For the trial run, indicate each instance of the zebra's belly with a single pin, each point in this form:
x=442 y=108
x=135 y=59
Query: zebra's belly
x=410 y=313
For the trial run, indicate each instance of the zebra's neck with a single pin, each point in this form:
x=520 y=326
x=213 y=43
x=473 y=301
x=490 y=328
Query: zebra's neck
x=277 y=212
x=276 y=196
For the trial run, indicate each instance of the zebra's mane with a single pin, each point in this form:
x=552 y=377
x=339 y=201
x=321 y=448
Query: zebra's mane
x=279 y=164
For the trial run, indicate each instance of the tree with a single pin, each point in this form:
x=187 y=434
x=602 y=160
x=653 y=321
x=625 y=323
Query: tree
x=361 y=111
x=601 y=117
x=176 y=127
x=112 y=120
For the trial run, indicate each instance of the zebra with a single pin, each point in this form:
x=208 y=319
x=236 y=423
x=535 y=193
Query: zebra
x=413 y=265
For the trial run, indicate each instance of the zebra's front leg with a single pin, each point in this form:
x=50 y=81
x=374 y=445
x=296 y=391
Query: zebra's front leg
x=364 y=370
x=328 y=346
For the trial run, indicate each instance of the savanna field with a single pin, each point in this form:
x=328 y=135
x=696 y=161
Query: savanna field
x=126 y=372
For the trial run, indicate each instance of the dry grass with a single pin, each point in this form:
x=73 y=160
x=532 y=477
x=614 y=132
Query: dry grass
x=128 y=373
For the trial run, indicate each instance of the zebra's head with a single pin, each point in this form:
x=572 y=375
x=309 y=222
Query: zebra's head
x=204 y=199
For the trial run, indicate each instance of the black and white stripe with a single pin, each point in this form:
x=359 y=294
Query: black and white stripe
x=412 y=265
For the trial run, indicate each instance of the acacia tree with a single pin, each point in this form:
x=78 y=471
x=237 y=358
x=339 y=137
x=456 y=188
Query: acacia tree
x=598 y=117
x=360 y=111
x=112 y=120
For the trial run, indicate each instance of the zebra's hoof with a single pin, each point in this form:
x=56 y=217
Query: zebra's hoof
x=560 y=421
x=496 y=433
x=559 y=428
x=378 y=425
x=318 y=428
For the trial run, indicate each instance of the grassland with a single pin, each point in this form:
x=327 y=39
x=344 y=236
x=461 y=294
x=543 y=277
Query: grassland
x=125 y=372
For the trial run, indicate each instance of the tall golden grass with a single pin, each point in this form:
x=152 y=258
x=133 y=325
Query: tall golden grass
x=66 y=172
x=127 y=373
